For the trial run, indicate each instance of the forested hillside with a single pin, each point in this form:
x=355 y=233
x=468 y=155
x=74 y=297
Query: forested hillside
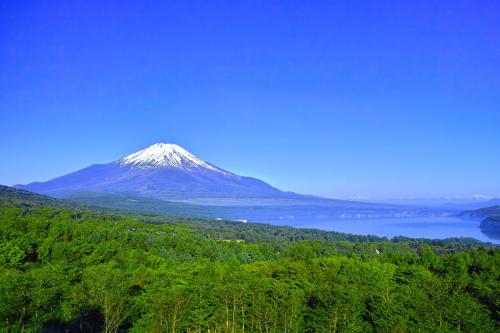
x=65 y=268
x=490 y=225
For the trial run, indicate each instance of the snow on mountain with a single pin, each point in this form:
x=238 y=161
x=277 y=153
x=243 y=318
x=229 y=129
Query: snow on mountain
x=166 y=155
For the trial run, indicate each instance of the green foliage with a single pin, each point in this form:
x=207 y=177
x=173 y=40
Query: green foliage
x=67 y=269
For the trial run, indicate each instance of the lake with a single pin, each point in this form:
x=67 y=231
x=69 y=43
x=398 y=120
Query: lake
x=421 y=227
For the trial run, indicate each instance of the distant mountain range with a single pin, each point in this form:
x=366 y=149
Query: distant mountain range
x=168 y=179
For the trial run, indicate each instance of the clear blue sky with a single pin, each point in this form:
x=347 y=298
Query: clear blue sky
x=339 y=98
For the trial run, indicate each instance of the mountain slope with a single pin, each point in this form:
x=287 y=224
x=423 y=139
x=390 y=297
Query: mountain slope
x=21 y=196
x=163 y=171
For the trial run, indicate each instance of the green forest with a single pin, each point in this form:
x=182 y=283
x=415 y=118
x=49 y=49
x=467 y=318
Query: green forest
x=70 y=268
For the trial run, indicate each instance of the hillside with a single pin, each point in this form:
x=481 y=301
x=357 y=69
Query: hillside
x=31 y=199
x=490 y=225
x=490 y=220
x=67 y=269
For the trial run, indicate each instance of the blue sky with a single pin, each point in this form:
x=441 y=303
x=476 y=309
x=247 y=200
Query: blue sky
x=379 y=99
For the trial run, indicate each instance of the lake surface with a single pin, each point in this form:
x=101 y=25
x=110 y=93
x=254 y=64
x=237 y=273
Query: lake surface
x=422 y=227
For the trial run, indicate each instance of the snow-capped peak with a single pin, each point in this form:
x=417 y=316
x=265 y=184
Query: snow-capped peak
x=161 y=155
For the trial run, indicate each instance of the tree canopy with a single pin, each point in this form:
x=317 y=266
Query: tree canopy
x=74 y=269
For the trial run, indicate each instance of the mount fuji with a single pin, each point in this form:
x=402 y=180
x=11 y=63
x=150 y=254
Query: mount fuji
x=167 y=179
x=162 y=171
